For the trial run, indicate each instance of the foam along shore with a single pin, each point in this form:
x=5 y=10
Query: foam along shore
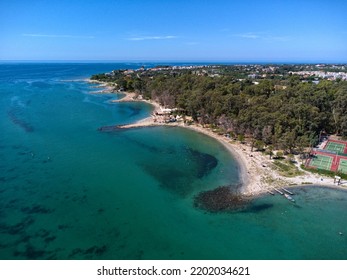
x=256 y=174
x=103 y=86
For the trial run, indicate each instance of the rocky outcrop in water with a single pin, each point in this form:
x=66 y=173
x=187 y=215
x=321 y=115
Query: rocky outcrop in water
x=221 y=199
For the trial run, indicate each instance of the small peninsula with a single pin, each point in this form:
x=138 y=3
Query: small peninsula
x=270 y=117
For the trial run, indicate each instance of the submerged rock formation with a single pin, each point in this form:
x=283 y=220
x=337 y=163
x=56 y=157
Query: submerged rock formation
x=221 y=199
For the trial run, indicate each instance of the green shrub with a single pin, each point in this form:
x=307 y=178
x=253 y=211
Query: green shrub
x=325 y=172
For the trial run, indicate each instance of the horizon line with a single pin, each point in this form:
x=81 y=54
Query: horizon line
x=172 y=60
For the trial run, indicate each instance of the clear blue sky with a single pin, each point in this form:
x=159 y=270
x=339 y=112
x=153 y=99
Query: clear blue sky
x=181 y=30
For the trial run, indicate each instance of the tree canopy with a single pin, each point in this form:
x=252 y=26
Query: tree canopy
x=282 y=112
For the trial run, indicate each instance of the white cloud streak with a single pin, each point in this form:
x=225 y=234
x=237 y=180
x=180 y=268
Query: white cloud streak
x=262 y=36
x=249 y=36
x=57 y=36
x=143 y=38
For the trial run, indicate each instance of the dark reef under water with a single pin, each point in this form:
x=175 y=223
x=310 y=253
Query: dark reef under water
x=178 y=179
x=221 y=199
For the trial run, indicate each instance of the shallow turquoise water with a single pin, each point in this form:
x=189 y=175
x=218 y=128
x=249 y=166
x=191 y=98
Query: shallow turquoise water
x=68 y=191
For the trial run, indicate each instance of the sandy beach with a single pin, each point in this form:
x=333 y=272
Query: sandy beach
x=256 y=172
x=257 y=175
x=128 y=96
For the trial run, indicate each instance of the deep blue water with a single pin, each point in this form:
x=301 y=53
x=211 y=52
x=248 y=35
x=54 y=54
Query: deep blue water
x=69 y=191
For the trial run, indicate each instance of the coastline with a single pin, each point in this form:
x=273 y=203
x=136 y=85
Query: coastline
x=103 y=86
x=128 y=96
x=256 y=175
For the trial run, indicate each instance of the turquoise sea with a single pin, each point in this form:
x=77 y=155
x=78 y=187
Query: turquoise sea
x=69 y=191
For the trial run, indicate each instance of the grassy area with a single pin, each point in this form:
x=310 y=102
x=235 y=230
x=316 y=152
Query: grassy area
x=286 y=168
x=325 y=172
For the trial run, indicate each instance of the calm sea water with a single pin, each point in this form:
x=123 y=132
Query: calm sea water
x=68 y=191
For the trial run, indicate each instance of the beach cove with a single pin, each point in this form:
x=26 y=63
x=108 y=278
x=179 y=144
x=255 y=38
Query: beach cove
x=69 y=191
x=254 y=167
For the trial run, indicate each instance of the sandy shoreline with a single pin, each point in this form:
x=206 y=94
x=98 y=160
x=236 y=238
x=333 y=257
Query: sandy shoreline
x=128 y=96
x=103 y=86
x=256 y=174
